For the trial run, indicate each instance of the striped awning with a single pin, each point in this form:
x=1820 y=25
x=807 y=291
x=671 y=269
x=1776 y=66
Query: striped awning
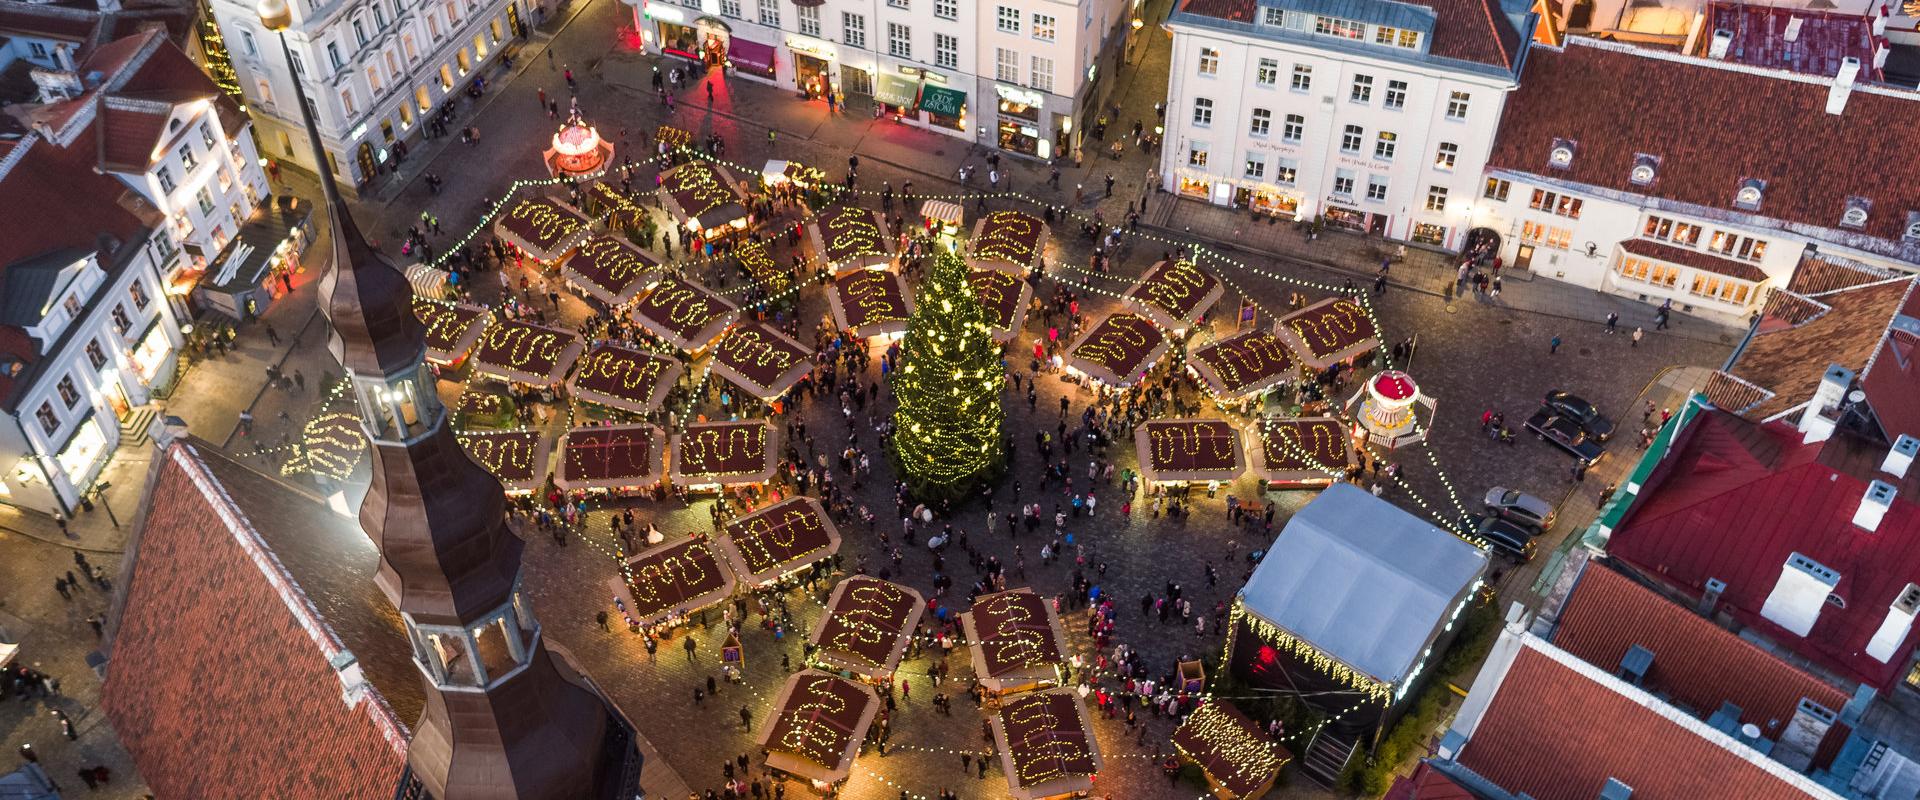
x=427 y=281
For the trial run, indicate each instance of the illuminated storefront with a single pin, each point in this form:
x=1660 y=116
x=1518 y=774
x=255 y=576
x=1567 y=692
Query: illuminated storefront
x=150 y=356
x=1020 y=114
x=1196 y=186
x=1268 y=200
x=84 y=453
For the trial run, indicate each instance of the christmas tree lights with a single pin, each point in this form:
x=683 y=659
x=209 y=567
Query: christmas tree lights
x=949 y=417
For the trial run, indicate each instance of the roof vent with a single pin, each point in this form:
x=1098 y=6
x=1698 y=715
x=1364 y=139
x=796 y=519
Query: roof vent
x=1899 y=622
x=1842 y=85
x=1561 y=157
x=1822 y=413
x=1634 y=665
x=1800 y=594
x=1874 y=505
x=1722 y=42
x=1645 y=168
x=1900 y=456
x=1749 y=195
x=1710 y=599
x=1615 y=790
x=1855 y=215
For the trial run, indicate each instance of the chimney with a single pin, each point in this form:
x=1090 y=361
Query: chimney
x=1710 y=599
x=1634 y=665
x=1722 y=42
x=353 y=681
x=1900 y=456
x=1823 y=410
x=1893 y=630
x=1801 y=736
x=1800 y=593
x=1842 y=85
x=1793 y=30
x=1874 y=505
x=1615 y=790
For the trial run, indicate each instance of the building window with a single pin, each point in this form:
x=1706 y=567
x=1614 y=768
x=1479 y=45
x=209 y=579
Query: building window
x=1557 y=238
x=165 y=177
x=1256 y=166
x=1716 y=287
x=1196 y=155
x=1745 y=248
x=95 y=354
x=1286 y=171
x=1436 y=198
x=946 y=50
x=946 y=9
x=1645 y=271
x=360 y=32
x=1209 y=61
x=1343 y=183
x=346 y=101
x=853 y=29
x=121 y=322
x=1553 y=203
x=1457 y=105
x=68 y=393
x=1302 y=77
x=379 y=17
x=1448 y=156
x=899 y=40
x=1409 y=40
x=1673 y=231
x=1202 y=111
x=1384 y=35
x=1339 y=27
x=49 y=422
x=770 y=13
x=299 y=66
x=1384 y=145
x=1376 y=187
x=1006 y=65
x=186 y=157
x=204 y=199
x=1042 y=74
x=1268 y=72
x=731 y=9
x=1396 y=95
x=1497 y=189
x=903 y=4
x=333 y=55
x=1043 y=25
x=1273 y=16
x=1295 y=128
x=72 y=305
x=1362 y=89
x=1350 y=140
x=138 y=291
x=206 y=135
x=373 y=79
x=1008 y=19
x=1262 y=123
x=809 y=20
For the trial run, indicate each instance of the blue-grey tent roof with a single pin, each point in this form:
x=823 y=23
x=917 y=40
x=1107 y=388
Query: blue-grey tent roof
x=1362 y=581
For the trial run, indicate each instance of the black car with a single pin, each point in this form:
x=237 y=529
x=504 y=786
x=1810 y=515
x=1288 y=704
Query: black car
x=1567 y=434
x=1506 y=538
x=1581 y=412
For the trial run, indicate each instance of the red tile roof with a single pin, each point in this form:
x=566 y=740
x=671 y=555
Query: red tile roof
x=1694 y=258
x=1734 y=499
x=1800 y=335
x=226 y=691
x=1465 y=30
x=1712 y=126
x=1609 y=613
x=1427 y=783
x=1558 y=732
x=1821 y=41
x=51 y=182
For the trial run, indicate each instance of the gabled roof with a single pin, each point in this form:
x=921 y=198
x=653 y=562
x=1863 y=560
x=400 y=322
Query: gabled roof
x=26 y=288
x=1474 y=31
x=1800 y=335
x=1609 y=614
x=1734 y=500
x=230 y=689
x=1714 y=126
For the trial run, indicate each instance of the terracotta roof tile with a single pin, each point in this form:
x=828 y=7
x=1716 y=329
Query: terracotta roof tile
x=1819 y=272
x=1796 y=340
x=1694 y=258
x=1822 y=38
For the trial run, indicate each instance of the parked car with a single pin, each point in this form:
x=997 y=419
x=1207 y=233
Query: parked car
x=1566 y=434
x=1520 y=507
x=1505 y=537
x=1581 y=412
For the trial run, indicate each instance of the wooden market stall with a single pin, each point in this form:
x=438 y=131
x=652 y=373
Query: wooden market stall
x=1239 y=759
x=1006 y=297
x=1332 y=331
x=1302 y=452
x=1175 y=294
x=522 y=352
x=779 y=540
x=817 y=726
x=871 y=302
x=1015 y=641
x=704 y=199
x=942 y=217
x=610 y=456
x=850 y=238
x=712 y=455
x=1046 y=746
x=610 y=270
x=761 y=360
x=684 y=313
x=604 y=201
x=517 y=458
x=777 y=172
x=1118 y=351
x=1244 y=366
x=452 y=328
x=542 y=227
x=669 y=581
x=1189 y=450
x=756 y=259
x=1008 y=240
x=867 y=627
x=634 y=381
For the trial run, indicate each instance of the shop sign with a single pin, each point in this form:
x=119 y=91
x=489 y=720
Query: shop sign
x=1024 y=97
x=906 y=70
x=656 y=10
x=812 y=47
x=943 y=101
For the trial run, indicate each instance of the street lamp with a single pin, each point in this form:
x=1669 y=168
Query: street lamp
x=277 y=16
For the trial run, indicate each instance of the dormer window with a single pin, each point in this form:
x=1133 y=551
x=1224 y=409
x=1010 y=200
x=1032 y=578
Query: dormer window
x=1913 y=226
x=1856 y=214
x=1750 y=193
x=1645 y=167
x=1561 y=157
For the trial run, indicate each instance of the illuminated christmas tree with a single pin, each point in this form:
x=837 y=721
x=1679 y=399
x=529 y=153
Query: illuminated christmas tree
x=947 y=426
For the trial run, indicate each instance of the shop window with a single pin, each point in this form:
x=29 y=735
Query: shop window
x=1429 y=233
x=1196 y=155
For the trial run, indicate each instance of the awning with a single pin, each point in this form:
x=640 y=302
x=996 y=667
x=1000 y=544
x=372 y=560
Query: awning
x=942 y=210
x=752 y=56
x=247 y=259
x=895 y=90
x=943 y=101
x=427 y=281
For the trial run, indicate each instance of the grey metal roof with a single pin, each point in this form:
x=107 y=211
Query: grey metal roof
x=26 y=287
x=1362 y=581
x=1374 y=12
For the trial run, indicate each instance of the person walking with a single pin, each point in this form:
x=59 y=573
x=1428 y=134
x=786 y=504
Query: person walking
x=1553 y=345
x=746 y=718
x=1613 y=322
x=273 y=336
x=1638 y=334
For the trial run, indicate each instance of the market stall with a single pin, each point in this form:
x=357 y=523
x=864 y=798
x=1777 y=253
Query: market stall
x=1302 y=452
x=669 y=137
x=761 y=360
x=942 y=217
x=817 y=726
x=1015 y=641
x=1118 y=351
x=610 y=270
x=605 y=201
x=1008 y=240
x=867 y=627
x=703 y=198
x=850 y=238
x=1006 y=297
x=427 y=282
x=665 y=583
x=757 y=260
x=523 y=352
x=630 y=380
x=1243 y=366
x=611 y=456
x=452 y=328
x=517 y=458
x=779 y=540
x=1189 y=450
x=1046 y=745
x=1239 y=759
x=684 y=313
x=711 y=455
x=1175 y=294
x=542 y=227
x=777 y=172
x=871 y=302
x=1332 y=331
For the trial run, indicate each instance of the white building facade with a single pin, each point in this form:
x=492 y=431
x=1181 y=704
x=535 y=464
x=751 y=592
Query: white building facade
x=1348 y=114
x=376 y=71
x=1026 y=76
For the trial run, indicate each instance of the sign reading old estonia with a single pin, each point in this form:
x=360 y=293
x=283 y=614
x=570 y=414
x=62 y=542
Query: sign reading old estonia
x=943 y=101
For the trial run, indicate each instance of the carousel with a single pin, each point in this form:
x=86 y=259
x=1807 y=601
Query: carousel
x=578 y=152
x=1390 y=409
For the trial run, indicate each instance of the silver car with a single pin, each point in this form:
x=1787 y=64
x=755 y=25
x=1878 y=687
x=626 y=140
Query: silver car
x=1519 y=507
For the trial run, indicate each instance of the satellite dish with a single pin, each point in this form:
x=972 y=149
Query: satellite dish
x=1856 y=396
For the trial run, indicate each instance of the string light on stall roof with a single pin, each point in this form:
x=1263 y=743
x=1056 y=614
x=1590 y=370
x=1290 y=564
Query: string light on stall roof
x=1273 y=636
